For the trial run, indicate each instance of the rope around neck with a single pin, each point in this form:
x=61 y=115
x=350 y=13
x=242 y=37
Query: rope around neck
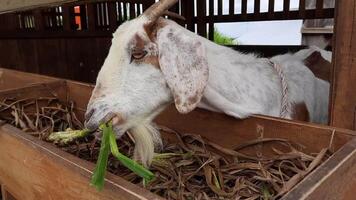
x=285 y=106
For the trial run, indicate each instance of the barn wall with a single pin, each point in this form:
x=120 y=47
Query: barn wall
x=49 y=41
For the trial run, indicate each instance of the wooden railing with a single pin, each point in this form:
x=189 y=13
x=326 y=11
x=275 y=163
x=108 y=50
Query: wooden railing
x=103 y=18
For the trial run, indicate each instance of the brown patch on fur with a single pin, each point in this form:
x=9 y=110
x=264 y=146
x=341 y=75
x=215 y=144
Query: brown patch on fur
x=140 y=43
x=152 y=28
x=193 y=99
x=300 y=112
x=153 y=60
x=140 y=48
x=320 y=67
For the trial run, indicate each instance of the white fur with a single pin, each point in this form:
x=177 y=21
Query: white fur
x=238 y=84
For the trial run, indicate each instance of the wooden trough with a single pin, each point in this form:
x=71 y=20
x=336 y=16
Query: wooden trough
x=34 y=169
x=11 y=79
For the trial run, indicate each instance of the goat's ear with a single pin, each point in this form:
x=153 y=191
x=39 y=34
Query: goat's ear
x=184 y=64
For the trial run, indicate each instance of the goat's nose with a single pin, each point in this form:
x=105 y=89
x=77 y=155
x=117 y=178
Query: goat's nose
x=90 y=122
x=89 y=113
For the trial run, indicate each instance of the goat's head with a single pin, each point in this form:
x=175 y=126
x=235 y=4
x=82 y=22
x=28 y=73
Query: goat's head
x=151 y=63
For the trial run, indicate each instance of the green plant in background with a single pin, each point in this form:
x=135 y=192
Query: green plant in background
x=222 y=39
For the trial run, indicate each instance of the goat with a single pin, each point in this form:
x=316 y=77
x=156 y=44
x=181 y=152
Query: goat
x=154 y=62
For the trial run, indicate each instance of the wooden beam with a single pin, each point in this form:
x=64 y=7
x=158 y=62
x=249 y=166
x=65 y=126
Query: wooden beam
x=20 y=5
x=343 y=95
x=17 y=5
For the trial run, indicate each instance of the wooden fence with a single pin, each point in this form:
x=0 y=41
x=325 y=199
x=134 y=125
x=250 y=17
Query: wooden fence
x=72 y=41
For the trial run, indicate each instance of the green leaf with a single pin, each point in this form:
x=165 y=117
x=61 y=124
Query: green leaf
x=127 y=162
x=98 y=177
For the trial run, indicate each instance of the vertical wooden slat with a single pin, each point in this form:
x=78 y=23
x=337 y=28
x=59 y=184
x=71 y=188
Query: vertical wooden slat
x=319 y=8
x=231 y=7
x=39 y=26
x=286 y=5
x=257 y=7
x=132 y=11
x=302 y=8
x=119 y=13
x=211 y=23
x=243 y=7
x=201 y=13
x=112 y=15
x=125 y=11
x=189 y=5
x=343 y=95
x=220 y=7
x=91 y=16
x=270 y=8
x=67 y=20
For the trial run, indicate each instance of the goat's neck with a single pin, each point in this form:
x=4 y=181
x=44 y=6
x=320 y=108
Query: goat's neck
x=239 y=84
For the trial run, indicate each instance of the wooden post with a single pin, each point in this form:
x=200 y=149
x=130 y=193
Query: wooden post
x=39 y=26
x=343 y=92
x=67 y=18
x=91 y=16
x=201 y=13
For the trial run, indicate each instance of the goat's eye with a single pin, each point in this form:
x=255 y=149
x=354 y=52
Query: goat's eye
x=138 y=54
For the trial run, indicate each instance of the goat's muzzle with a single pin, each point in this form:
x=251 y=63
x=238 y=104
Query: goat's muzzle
x=94 y=117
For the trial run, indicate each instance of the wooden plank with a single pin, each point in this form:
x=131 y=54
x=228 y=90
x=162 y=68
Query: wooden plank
x=302 y=8
x=231 y=7
x=220 y=7
x=211 y=24
x=125 y=11
x=28 y=55
x=67 y=20
x=16 y=5
x=9 y=54
x=343 y=95
x=39 y=26
x=11 y=79
x=230 y=132
x=286 y=7
x=132 y=10
x=112 y=16
x=83 y=58
x=319 y=7
x=270 y=8
x=256 y=7
x=189 y=7
x=42 y=170
x=309 y=14
x=243 y=7
x=9 y=21
x=52 y=50
x=119 y=13
x=201 y=12
x=91 y=16
x=335 y=179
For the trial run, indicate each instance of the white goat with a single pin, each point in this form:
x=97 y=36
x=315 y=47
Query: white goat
x=153 y=62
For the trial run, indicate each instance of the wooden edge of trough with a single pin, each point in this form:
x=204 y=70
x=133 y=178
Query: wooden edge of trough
x=48 y=159
x=334 y=179
x=49 y=163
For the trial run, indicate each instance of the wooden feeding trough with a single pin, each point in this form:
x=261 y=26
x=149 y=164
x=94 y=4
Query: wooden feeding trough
x=10 y=79
x=34 y=169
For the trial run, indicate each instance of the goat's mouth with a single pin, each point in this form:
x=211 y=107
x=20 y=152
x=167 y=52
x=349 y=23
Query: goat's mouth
x=92 y=123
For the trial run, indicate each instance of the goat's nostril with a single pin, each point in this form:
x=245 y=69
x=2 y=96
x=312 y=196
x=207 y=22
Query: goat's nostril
x=89 y=113
x=117 y=120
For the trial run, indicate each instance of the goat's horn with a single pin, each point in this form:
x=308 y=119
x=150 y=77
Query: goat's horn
x=174 y=15
x=157 y=9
